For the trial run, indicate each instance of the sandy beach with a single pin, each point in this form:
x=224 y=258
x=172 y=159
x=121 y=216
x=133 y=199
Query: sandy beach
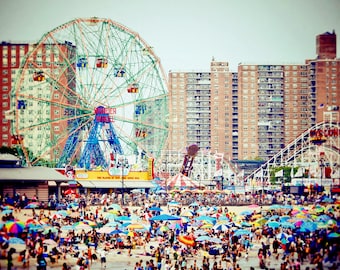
x=119 y=259
x=115 y=259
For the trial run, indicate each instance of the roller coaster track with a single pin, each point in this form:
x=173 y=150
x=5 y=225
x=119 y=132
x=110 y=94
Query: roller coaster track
x=302 y=152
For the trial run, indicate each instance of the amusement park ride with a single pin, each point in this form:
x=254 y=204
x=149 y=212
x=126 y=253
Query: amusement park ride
x=315 y=154
x=88 y=93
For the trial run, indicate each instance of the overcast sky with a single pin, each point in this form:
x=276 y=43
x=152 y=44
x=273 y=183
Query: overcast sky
x=186 y=34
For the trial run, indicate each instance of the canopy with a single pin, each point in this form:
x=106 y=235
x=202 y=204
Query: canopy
x=182 y=181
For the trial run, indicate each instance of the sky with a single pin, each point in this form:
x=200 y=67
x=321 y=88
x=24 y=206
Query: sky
x=187 y=34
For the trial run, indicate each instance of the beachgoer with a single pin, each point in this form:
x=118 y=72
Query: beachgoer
x=102 y=254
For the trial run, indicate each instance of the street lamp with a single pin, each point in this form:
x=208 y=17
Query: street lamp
x=321 y=165
x=123 y=163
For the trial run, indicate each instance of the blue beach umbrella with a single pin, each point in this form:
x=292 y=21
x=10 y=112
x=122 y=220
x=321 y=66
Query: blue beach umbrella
x=7 y=211
x=165 y=217
x=221 y=227
x=240 y=232
x=16 y=240
x=273 y=224
x=155 y=208
x=309 y=226
x=203 y=238
x=333 y=235
x=287 y=225
x=246 y=213
x=114 y=206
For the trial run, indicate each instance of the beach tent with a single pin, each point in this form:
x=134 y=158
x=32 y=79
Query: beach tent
x=181 y=181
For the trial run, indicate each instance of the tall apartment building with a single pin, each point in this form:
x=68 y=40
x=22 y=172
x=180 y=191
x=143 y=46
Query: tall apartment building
x=258 y=110
x=200 y=103
x=273 y=101
x=324 y=78
x=11 y=56
x=27 y=99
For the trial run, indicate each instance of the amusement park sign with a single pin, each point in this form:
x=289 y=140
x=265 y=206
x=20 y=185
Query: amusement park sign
x=329 y=132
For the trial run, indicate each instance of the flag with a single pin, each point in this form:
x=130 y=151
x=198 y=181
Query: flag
x=279 y=173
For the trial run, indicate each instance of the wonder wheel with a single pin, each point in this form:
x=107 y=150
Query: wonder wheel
x=89 y=90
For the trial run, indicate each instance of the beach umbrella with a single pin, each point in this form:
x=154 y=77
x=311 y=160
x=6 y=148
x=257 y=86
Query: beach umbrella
x=203 y=238
x=215 y=240
x=206 y=218
x=175 y=226
x=50 y=230
x=113 y=224
x=253 y=206
x=284 y=218
x=322 y=218
x=93 y=224
x=221 y=227
x=73 y=205
x=165 y=217
x=16 y=244
x=200 y=232
x=123 y=218
x=174 y=203
x=63 y=213
x=260 y=221
x=116 y=231
x=165 y=228
x=16 y=240
x=109 y=216
x=287 y=225
x=187 y=214
x=114 y=206
x=331 y=222
x=70 y=191
x=135 y=226
x=273 y=224
x=275 y=207
x=240 y=232
x=7 y=207
x=7 y=211
x=107 y=230
x=206 y=226
x=15 y=227
x=187 y=240
x=333 y=235
x=67 y=228
x=35 y=227
x=84 y=227
x=194 y=204
x=31 y=221
x=155 y=208
x=298 y=223
x=32 y=205
x=245 y=224
x=309 y=226
x=246 y=213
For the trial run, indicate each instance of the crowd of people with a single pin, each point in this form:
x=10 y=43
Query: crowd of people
x=204 y=234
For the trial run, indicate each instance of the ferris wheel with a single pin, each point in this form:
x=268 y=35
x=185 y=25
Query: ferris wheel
x=88 y=91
